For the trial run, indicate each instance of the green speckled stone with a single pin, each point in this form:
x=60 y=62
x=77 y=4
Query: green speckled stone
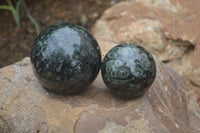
x=66 y=58
x=128 y=70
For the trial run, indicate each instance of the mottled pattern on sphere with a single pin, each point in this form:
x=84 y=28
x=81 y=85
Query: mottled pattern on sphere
x=66 y=58
x=128 y=70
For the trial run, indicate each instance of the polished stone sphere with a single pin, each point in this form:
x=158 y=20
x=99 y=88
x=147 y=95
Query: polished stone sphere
x=65 y=58
x=128 y=70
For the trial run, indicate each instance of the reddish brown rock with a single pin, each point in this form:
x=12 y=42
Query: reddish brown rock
x=167 y=28
x=168 y=106
x=26 y=107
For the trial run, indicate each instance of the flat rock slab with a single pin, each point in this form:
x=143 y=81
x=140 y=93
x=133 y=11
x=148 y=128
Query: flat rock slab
x=25 y=107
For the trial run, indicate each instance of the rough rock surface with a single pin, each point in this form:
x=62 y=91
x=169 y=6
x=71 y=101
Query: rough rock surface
x=170 y=28
x=167 y=28
x=26 y=107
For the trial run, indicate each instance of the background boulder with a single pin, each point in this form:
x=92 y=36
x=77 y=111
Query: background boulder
x=167 y=28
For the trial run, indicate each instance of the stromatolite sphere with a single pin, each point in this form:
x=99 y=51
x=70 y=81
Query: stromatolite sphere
x=66 y=58
x=128 y=70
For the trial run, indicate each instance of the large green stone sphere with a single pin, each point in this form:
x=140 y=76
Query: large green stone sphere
x=128 y=70
x=66 y=58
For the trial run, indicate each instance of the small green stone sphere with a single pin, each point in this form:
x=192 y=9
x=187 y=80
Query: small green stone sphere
x=128 y=70
x=65 y=58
